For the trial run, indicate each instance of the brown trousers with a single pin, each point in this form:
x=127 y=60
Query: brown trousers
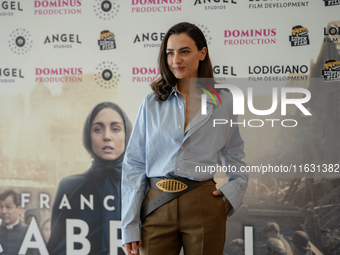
x=195 y=220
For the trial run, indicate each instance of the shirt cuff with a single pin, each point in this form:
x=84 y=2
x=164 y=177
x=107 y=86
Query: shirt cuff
x=131 y=235
x=234 y=196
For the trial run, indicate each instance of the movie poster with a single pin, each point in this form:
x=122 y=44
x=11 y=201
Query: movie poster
x=60 y=59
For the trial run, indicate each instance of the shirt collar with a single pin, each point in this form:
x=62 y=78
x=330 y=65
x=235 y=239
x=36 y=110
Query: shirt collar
x=174 y=90
x=11 y=226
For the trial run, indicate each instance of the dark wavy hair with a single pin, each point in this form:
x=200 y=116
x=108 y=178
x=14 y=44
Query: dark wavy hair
x=162 y=86
x=11 y=192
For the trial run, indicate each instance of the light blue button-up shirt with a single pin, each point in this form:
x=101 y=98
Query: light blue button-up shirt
x=160 y=146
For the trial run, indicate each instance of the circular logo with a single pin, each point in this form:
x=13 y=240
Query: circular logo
x=20 y=41
x=106 y=6
x=106 y=75
x=206 y=33
x=106 y=9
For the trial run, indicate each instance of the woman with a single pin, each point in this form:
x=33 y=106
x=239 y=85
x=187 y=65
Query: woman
x=45 y=230
x=105 y=136
x=167 y=142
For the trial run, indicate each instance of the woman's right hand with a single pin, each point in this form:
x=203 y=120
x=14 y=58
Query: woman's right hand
x=132 y=248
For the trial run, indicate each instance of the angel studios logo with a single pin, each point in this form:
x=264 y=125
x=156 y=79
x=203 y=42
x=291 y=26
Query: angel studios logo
x=299 y=36
x=331 y=2
x=9 y=8
x=106 y=9
x=10 y=75
x=20 y=41
x=223 y=72
x=107 y=40
x=149 y=39
x=214 y=5
x=206 y=32
x=107 y=75
x=62 y=41
x=331 y=71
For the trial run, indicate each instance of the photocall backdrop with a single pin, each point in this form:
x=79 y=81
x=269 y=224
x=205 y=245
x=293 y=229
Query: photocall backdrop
x=60 y=58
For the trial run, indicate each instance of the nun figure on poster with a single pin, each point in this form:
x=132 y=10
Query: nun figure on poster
x=167 y=204
x=105 y=136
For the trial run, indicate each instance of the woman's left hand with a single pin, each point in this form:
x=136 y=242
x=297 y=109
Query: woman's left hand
x=227 y=205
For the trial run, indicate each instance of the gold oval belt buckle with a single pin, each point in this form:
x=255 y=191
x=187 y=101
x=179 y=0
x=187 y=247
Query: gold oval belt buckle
x=171 y=185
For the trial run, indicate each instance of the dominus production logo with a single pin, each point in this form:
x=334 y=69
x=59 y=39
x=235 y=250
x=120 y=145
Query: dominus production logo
x=331 y=2
x=206 y=32
x=331 y=71
x=20 y=41
x=145 y=74
x=57 y=7
x=107 y=40
x=299 y=36
x=147 y=6
x=106 y=75
x=106 y=9
x=58 y=74
x=250 y=36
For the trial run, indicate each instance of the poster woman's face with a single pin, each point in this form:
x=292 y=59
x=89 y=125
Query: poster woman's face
x=183 y=56
x=108 y=134
x=46 y=231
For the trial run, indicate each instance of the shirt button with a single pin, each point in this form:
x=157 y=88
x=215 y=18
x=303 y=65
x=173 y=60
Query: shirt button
x=178 y=169
x=182 y=147
x=180 y=107
x=179 y=126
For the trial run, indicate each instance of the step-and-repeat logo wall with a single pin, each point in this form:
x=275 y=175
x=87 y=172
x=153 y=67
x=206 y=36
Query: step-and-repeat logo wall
x=60 y=58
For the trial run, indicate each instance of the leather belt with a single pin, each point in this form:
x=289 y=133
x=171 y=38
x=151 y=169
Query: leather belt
x=171 y=188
